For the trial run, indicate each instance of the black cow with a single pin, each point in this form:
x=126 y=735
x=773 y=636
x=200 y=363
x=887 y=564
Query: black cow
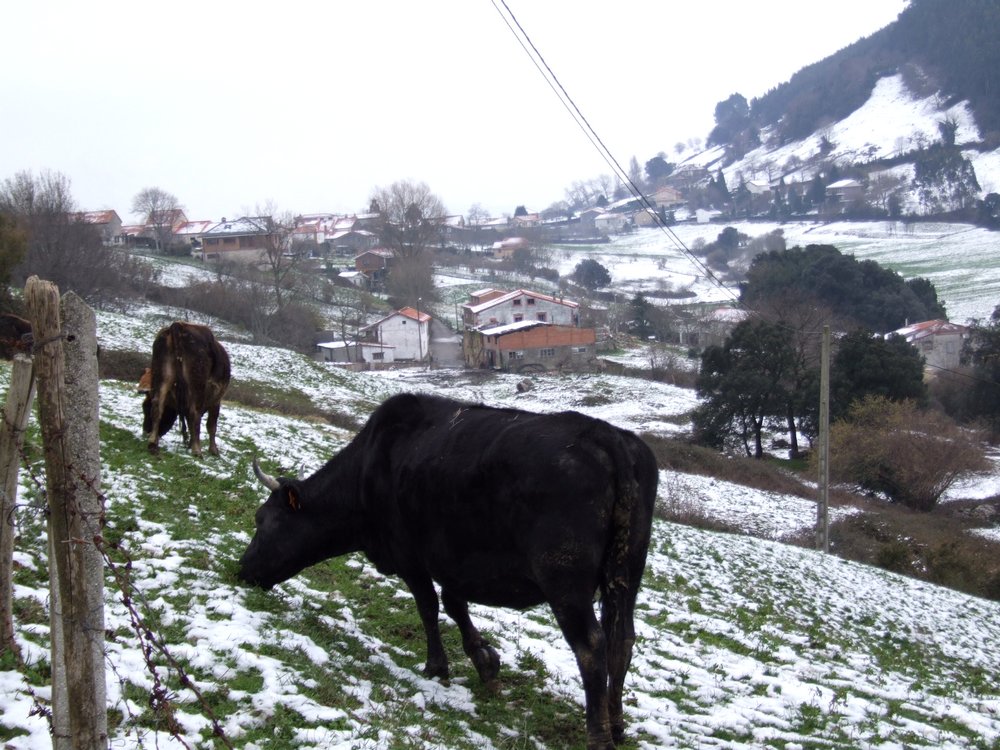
x=498 y=506
x=188 y=377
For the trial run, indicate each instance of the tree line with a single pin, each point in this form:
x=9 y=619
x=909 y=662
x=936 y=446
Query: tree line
x=765 y=376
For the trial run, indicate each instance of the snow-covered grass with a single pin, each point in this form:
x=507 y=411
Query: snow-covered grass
x=743 y=642
x=959 y=259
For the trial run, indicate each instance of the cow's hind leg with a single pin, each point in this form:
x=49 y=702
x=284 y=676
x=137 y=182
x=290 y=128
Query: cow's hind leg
x=484 y=657
x=210 y=424
x=586 y=638
x=617 y=620
x=194 y=427
x=427 y=605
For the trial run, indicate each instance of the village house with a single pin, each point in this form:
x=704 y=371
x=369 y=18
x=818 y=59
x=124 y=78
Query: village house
x=939 y=341
x=667 y=197
x=612 y=222
x=243 y=239
x=844 y=192
x=352 y=241
x=491 y=307
x=190 y=233
x=530 y=346
x=505 y=249
x=107 y=223
x=407 y=330
x=374 y=263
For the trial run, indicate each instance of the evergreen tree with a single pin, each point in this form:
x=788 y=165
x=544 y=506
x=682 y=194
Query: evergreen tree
x=869 y=365
x=982 y=352
x=742 y=384
x=591 y=274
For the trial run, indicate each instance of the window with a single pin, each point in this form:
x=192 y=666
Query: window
x=547 y=352
x=542 y=316
x=516 y=355
x=517 y=303
x=580 y=350
x=378 y=355
x=531 y=301
x=518 y=318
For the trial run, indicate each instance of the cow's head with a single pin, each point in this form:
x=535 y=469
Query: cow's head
x=169 y=416
x=286 y=539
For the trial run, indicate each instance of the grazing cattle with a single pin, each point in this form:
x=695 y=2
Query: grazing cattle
x=188 y=377
x=15 y=335
x=497 y=506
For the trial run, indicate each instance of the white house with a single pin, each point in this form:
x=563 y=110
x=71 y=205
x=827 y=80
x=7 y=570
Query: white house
x=406 y=330
x=939 y=341
x=494 y=308
x=611 y=222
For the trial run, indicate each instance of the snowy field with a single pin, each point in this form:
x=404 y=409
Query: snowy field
x=743 y=642
x=959 y=259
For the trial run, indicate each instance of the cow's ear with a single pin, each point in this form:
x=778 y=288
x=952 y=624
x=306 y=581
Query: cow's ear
x=293 y=498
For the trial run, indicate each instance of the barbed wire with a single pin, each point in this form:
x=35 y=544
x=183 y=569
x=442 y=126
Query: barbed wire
x=151 y=644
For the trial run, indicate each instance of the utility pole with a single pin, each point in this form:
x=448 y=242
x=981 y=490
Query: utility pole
x=823 y=507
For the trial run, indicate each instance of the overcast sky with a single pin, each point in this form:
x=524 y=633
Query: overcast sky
x=308 y=106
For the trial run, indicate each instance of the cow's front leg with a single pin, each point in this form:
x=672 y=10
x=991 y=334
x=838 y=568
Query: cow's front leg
x=484 y=657
x=427 y=605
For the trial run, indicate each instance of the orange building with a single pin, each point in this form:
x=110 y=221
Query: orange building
x=530 y=346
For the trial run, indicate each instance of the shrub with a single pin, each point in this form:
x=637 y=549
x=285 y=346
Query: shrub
x=911 y=456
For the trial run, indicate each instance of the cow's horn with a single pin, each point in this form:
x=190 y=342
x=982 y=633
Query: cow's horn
x=265 y=479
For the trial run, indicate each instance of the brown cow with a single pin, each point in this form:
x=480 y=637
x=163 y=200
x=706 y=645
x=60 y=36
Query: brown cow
x=15 y=335
x=188 y=377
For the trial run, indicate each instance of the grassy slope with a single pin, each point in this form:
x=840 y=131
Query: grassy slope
x=743 y=643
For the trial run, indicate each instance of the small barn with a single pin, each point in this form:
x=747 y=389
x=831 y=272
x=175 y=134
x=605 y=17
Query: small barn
x=352 y=352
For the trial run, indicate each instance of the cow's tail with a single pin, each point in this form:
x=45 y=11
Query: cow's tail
x=635 y=482
x=181 y=390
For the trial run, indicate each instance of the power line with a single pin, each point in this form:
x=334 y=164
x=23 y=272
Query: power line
x=570 y=105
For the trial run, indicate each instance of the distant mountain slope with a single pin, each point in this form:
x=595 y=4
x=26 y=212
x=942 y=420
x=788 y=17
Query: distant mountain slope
x=955 y=45
x=904 y=123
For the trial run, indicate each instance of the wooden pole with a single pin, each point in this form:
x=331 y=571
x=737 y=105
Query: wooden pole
x=823 y=508
x=16 y=413
x=68 y=409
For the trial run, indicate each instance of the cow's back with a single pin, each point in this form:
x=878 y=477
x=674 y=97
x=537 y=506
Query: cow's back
x=486 y=498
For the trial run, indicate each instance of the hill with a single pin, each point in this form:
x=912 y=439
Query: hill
x=908 y=112
x=743 y=642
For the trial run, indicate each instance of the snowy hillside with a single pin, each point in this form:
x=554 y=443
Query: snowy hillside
x=743 y=642
x=891 y=122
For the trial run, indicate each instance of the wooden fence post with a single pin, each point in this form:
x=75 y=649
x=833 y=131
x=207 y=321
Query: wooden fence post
x=16 y=413
x=66 y=376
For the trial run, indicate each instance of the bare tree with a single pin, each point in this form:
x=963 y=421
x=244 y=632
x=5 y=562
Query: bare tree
x=158 y=209
x=635 y=173
x=411 y=217
x=276 y=257
x=61 y=247
x=477 y=214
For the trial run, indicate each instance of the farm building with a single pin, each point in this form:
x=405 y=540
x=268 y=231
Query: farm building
x=529 y=345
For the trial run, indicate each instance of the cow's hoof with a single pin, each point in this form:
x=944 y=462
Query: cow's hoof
x=487 y=663
x=439 y=670
x=154 y=449
x=618 y=733
x=599 y=743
